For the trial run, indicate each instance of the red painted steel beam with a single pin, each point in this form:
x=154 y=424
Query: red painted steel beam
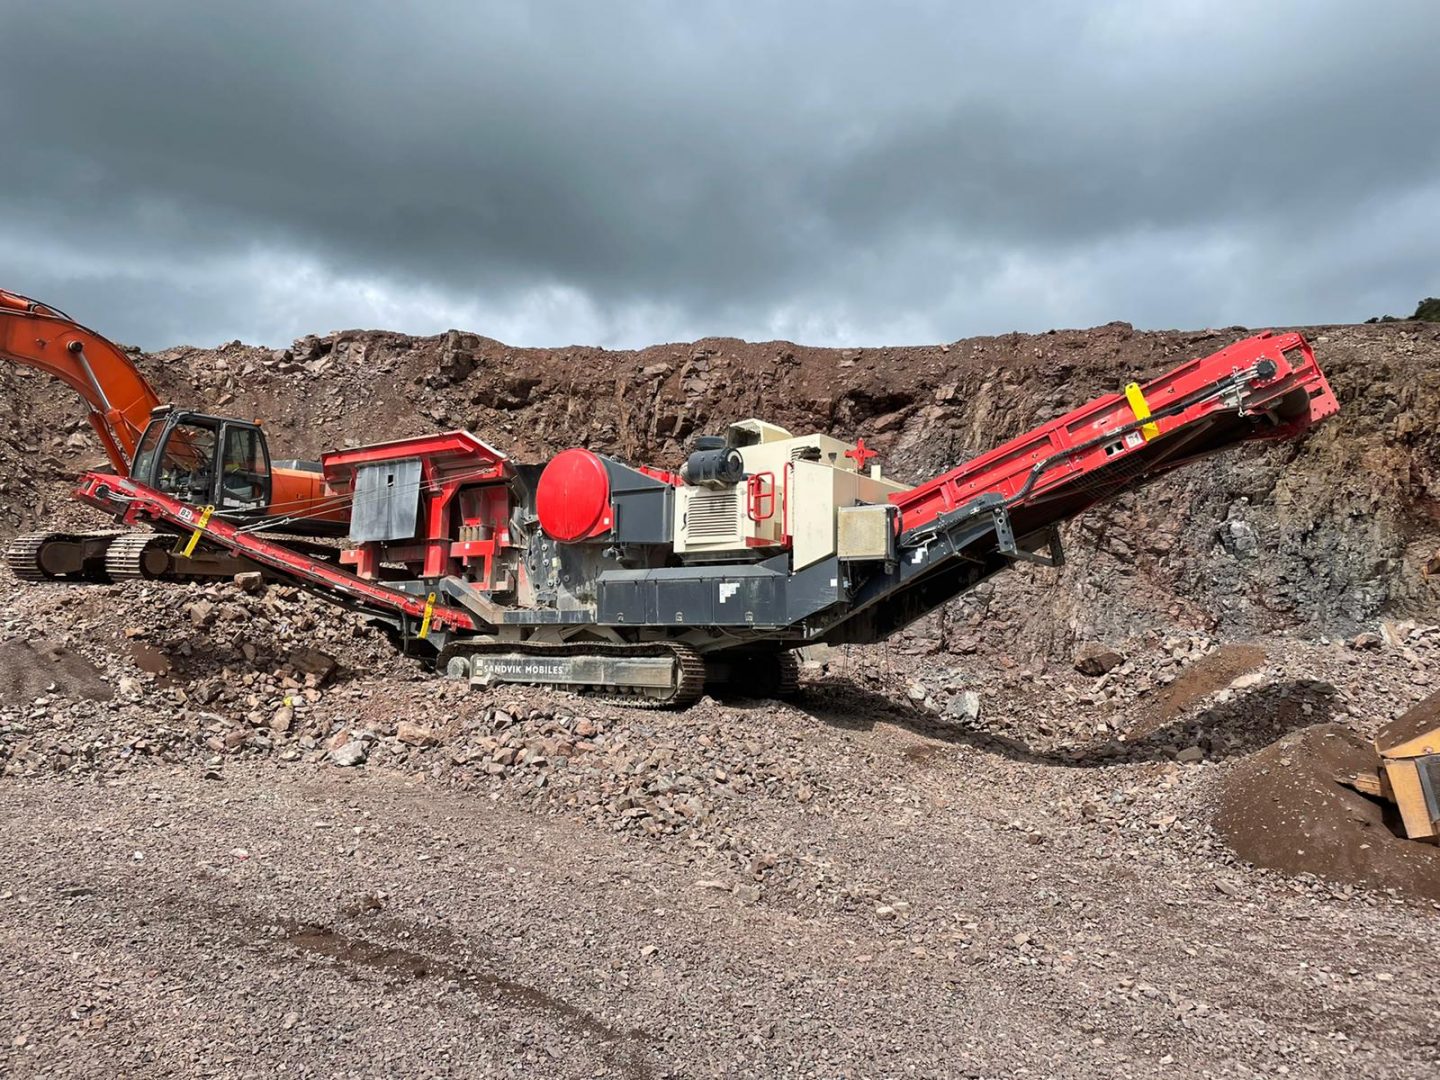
x=446 y=451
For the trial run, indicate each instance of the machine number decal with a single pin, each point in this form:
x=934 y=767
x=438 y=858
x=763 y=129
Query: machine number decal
x=189 y=548
x=728 y=589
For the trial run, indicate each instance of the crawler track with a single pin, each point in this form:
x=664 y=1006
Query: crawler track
x=687 y=685
x=138 y=555
x=59 y=556
x=23 y=556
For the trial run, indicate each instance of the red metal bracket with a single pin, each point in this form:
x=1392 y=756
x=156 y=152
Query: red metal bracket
x=786 y=534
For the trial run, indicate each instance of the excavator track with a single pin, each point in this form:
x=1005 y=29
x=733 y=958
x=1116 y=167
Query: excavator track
x=657 y=675
x=143 y=556
x=58 y=556
x=23 y=556
x=105 y=557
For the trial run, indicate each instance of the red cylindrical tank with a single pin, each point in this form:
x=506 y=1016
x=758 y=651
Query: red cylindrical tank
x=572 y=499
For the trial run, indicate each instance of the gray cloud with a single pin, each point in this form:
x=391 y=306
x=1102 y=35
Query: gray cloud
x=622 y=174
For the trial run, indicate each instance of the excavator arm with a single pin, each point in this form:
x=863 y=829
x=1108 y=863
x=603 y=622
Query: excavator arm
x=120 y=398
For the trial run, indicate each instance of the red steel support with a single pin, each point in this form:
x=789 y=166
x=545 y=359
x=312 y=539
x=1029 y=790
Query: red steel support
x=437 y=527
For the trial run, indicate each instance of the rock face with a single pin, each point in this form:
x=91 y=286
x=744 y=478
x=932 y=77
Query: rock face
x=1324 y=535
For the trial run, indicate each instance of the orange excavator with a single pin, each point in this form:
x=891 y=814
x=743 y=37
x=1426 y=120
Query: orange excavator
x=213 y=461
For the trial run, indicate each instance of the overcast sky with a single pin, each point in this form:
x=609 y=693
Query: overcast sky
x=627 y=172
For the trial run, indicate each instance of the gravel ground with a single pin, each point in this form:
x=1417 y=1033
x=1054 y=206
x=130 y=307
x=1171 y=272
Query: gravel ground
x=888 y=894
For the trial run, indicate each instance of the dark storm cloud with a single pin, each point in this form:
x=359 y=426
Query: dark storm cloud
x=635 y=172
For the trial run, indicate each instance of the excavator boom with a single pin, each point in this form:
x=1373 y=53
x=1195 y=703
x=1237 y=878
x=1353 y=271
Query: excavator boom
x=35 y=335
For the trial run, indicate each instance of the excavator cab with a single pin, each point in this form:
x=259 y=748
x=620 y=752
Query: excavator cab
x=205 y=460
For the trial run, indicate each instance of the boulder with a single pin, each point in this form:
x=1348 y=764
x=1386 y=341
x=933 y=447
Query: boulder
x=1095 y=660
x=313 y=662
x=348 y=754
x=252 y=581
x=413 y=734
x=964 y=706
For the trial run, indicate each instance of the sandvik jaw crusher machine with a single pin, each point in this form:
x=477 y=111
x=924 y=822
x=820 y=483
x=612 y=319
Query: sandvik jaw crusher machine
x=586 y=573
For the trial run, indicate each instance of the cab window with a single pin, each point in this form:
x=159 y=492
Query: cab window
x=186 y=465
x=244 y=469
x=141 y=467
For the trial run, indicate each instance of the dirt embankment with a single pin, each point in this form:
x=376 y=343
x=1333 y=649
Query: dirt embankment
x=1287 y=808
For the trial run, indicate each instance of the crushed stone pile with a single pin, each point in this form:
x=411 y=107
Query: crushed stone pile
x=210 y=677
